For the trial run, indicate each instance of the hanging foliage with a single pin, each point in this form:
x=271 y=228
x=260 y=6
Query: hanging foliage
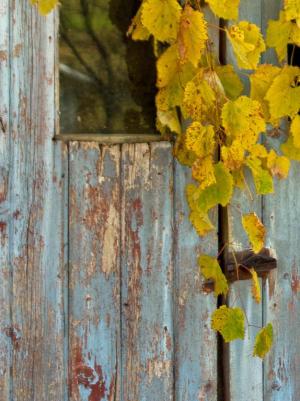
x=226 y=129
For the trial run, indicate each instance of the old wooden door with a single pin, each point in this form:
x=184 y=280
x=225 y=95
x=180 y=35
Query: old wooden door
x=100 y=295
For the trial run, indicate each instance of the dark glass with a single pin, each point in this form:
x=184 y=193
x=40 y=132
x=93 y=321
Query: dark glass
x=107 y=81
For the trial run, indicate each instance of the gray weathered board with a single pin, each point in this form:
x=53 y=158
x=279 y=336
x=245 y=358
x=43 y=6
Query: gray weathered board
x=100 y=296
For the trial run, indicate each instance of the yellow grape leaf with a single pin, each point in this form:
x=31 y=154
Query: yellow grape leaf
x=258 y=150
x=201 y=223
x=211 y=270
x=292 y=9
x=290 y=150
x=218 y=193
x=255 y=230
x=203 y=171
x=198 y=218
x=285 y=86
x=248 y=44
x=161 y=18
x=137 y=30
x=227 y=9
x=172 y=77
x=243 y=120
x=169 y=118
x=263 y=341
x=278 y=165
x=280 y=33
x=182 y=154
x=239 y=178
x=199 y=99
x=45 y=6
x=231 y=82
x=295 y=130
x=229 y=322
x=261 y=81
x=200 y=139
x=263 y=180
x=233 y=155
x=192 y=35
x=256 y=291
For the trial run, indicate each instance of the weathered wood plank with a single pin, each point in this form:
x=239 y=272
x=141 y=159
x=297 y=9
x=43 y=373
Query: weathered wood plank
x=282 y=289
x=94 y=276
x=147 y=272
x=195 y=342
x=246 y=372
x=37 y=210
x=6 y=332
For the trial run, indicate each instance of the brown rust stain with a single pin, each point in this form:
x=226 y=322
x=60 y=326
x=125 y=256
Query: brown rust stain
x=3 y=184
x=15 y=336
x=3 y=55
x=83 y=374
x=295 y=281
x=17 y=50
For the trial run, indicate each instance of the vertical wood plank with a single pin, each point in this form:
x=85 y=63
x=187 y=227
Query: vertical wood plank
x=6 y=331
x=246 y=372
x=196 y=345
x=195 y=342
x=147 y=272
x=94 y=276
x=36 y=242
x=282 y=289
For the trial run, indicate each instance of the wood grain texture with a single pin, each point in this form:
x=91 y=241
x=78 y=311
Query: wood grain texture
x=6 y=331
x=282 y=289
x=195 y=342
x=36 y=211
x=94 y=272
x=147 y=272
x=246 y=372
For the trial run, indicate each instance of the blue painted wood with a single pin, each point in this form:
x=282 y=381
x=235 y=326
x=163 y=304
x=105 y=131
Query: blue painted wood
x=282 y=289
x=94 y=272
x=246 y=372
x=6 y=331
x=147 y=272
x=195 y=342
x=35 y=211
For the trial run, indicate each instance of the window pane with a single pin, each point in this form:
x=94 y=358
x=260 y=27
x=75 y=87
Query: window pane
x=107 y=81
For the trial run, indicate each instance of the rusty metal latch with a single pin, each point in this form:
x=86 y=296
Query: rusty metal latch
x=239 y=263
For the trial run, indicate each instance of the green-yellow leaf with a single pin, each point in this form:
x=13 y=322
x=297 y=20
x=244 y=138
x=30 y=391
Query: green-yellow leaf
x=290 y=150
x=227 y=9
x=182 y=154
x=45 y=6
x=279 y=35
x=233 y=155
x=203 y=171
x=229 y=322
x=137 y=29
x=192 y=35
x=255 y=230
x=200 y=139
x=243 y=120
x=263 y=341
x=198 y=218
x=200 y=100
x=248 y=44
x=256 y=291
x=161 y=18
x=261 y=81
x=218 y=193
x=169 y=118
x=278 y=165
x=295 y=130
x=292 y=9
x=211 y=270
x=263 y=180
x=285 y=86
x=231 y=82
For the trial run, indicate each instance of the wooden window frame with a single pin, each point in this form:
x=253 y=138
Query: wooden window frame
x=105 y=139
